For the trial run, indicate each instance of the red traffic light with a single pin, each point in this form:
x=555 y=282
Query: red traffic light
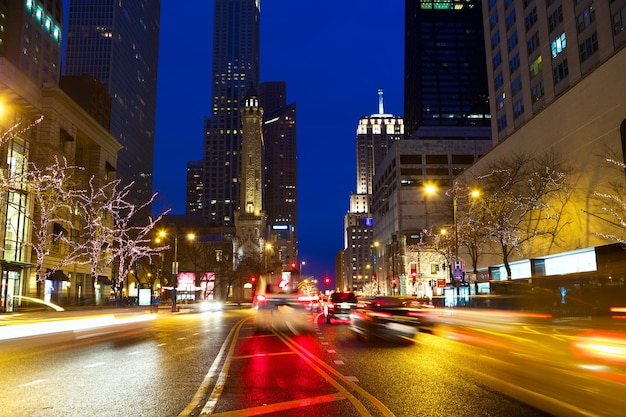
x=293 y=265
x=327 y=280
x=253 y=279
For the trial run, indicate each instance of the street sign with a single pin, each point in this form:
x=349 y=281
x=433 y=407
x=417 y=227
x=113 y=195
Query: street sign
x=458 y=270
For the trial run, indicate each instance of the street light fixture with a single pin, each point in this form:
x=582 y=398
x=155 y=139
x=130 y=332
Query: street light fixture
x=302 y=269
x=189 y=236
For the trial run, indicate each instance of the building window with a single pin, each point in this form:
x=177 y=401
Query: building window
x=502 y=123
x=510 y=20
x=530 y=19
x=588 y=47
x=497 y=60
x=535 y=67
x=537 y=91
x=500 y=100
x=512 y=42
x=514 y=63
x=585 y=18
x=619 y=21
x=495 y=40
x=558 y=45
x=533 y=42
x=518 y=108
x=493 y=20
x=516 y=85
x=555 y=18
x=560 y=72
x=498 y=80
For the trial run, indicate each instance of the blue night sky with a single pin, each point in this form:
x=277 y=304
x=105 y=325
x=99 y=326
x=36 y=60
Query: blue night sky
x=334 y=55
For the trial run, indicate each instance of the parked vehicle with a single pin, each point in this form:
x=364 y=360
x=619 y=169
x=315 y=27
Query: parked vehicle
x=393 y=319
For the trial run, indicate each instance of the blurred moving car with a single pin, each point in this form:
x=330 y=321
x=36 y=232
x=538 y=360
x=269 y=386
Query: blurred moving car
x=339 y=306
x=282 y=311
x=394 y=319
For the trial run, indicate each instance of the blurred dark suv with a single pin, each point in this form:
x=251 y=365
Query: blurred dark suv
x=339 y=305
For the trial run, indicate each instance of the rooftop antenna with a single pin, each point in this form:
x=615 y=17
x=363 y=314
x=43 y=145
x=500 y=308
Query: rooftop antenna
x=381 y=106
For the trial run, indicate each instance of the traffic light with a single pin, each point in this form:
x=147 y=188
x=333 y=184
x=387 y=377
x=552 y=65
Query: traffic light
x=327 y=281
x=253 y=279
x=393 y=282
x=414 y=274
x=294 y=267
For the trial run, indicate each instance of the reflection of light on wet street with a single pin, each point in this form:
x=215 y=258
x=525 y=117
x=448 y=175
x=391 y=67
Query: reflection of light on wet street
x=70 y=325
x=601 y=345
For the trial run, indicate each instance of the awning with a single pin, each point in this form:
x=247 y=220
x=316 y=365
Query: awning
x=104 y=280
x=58 y=275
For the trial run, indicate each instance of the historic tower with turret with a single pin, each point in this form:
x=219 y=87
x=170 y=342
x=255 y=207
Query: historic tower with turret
x=250 y=218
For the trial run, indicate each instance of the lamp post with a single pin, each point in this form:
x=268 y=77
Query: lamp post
x=189 y=236
x=302 y=269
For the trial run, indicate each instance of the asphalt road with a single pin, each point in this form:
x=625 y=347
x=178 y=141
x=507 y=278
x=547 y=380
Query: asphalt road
x=221 y=363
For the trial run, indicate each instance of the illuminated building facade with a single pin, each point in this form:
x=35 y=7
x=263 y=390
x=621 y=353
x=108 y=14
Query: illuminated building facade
x=250 y=217
x=556 y=82
x=236 y=49
x=375 y=136
x=280 y=202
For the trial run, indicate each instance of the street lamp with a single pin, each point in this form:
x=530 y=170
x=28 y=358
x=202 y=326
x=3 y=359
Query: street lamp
x=189 y=236
x=302 y=269
x=429 y=189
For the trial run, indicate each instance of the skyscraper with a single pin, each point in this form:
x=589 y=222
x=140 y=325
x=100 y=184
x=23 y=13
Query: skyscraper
x=445 y=82
x=376 y=134
x=31 y=38
x=236 y=48
x=279 y=132
x=118 y=43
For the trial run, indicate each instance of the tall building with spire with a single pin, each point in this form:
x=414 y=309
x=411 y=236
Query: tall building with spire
x=118 y=44
x=236 y=50
x=376 y=134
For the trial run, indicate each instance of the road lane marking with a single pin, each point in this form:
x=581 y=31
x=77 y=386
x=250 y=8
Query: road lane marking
x=284 y=406
x=94 y=365
x=35 y=382
x=319 y=366
x=339 y=362
x=257 y=355
x=134 y=353
x=197 y=398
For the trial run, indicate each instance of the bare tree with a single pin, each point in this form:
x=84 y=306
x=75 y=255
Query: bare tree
x=53 y=190
x=518 y=201
x=612 y=203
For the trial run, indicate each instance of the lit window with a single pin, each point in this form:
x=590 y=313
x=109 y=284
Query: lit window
x=558 y=45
